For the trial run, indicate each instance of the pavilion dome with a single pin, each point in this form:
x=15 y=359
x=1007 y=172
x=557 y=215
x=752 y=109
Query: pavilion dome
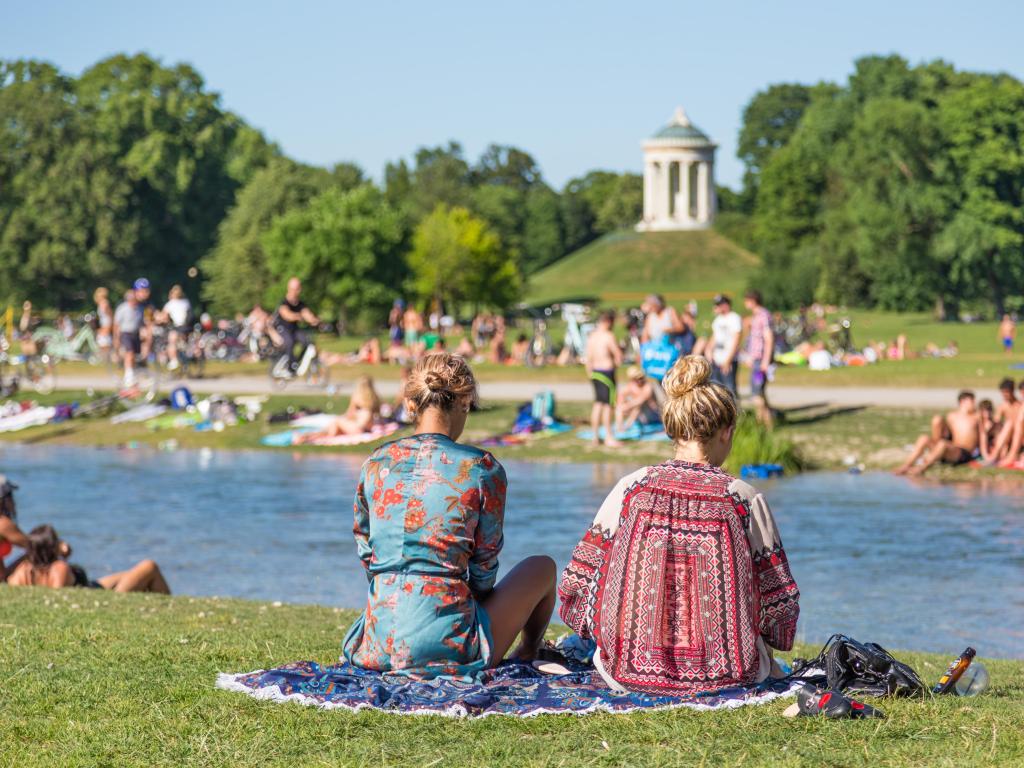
x=681 y=132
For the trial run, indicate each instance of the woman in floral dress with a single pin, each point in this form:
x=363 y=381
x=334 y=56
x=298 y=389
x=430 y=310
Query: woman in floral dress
x=428 y=527
x=682 y=580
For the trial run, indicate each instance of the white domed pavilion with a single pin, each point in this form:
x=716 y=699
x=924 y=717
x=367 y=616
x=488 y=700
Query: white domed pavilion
x=679 y=178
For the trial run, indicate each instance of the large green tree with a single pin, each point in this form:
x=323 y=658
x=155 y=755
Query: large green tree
x=236 y=272
x=983 y=244
x=124 y=171
x=346 y=248
x=456 y=257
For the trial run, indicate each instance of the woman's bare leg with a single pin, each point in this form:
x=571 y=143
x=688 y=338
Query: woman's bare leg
x=142 y=577
x=521 y=602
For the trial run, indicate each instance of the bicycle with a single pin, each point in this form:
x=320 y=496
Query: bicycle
x=310 y=368
x=81 y=346
x=37 y=369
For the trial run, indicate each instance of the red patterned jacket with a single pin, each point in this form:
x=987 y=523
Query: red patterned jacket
x=682 y=581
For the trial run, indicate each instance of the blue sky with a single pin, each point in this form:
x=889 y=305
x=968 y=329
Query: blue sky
x=577 y=84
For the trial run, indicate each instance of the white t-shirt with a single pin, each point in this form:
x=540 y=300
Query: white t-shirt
x=724 y=330
x=178 y=310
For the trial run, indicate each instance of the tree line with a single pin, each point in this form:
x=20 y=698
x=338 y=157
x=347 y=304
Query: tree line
x=901 y=189
x=135 y=168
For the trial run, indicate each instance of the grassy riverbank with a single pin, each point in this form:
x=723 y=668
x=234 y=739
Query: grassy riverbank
x=101 y=679
x=824 y=437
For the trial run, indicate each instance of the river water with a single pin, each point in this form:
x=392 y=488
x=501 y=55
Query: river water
x=907 y=564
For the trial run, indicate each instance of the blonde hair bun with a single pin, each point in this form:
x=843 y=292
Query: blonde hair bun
x=696 y=407
x=438 y=380
x=686 y=375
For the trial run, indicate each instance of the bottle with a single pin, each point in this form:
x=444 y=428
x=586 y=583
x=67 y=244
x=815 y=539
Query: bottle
x=947 y=682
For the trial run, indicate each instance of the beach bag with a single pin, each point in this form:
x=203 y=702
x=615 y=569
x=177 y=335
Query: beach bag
x=543 y=409
x=658 y=357
x=862 y=668
x=181 y=398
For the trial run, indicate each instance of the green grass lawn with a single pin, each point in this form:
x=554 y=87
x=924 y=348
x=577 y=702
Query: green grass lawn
x=621 y=268
x=93 y=678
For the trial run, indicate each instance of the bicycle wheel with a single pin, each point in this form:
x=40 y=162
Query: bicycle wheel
x=319 y=374
x=41 y=374
x=279 y=373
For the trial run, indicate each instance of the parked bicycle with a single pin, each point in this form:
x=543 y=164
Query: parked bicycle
x=37 y=370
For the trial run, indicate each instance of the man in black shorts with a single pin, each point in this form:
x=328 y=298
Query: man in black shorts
x=954 y=439
x=291 y=313
x=602 y=356
x=128 y=322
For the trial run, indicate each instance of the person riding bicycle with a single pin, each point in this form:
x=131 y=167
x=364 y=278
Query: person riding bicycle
x=177 y=313
x=291 y=313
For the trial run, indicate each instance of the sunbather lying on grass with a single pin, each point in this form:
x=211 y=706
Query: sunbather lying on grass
x=44 y=566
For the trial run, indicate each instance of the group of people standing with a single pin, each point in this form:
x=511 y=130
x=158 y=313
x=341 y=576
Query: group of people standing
x=429 y=516
x=127 y=332
x=666 y=336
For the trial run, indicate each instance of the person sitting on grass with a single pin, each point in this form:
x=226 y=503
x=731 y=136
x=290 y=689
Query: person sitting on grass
x=362 y=413
x=953 y=439
x=520 y=351
x=1005 y=421
x=429 y=516
x=636 y=401
x=601 y=357
x=1012 y=455
x=639 y=583
x=465 y=348
x=44 y=566
x=988 y=430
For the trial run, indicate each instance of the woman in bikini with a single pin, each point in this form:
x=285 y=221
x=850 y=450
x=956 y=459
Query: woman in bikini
x=362 y=413
x=44 y=566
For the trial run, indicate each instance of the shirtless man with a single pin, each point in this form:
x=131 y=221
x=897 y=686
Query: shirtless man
x=1005 y=417
x=953 y=439
x=1015 y=427
x=602 y=357
x=1007 y=333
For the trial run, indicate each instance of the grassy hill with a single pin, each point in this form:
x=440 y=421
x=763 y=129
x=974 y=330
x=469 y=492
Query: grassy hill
x=621 y=267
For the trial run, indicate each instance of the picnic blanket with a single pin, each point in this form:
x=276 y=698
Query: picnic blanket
x=286 y=438
x=513 y=688
x=638 y=432
x=31 y=417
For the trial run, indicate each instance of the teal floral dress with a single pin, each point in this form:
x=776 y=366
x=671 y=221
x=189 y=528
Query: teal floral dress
x=428 y=527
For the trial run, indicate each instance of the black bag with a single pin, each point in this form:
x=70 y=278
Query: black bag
x=860 y=668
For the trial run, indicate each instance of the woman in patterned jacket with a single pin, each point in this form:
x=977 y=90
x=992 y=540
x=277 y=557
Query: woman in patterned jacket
x=682 y=580
x=428 y=527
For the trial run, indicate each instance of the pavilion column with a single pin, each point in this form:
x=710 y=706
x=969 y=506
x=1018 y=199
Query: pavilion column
x=683 y=206
x=649 y=170
x=712 y=194
x=703 y=190
x=655 y=185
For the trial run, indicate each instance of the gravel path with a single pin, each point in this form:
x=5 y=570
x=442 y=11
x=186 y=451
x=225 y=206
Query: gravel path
x=788 y=397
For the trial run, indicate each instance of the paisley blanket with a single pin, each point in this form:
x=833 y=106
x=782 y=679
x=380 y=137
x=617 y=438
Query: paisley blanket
x=512 y=688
